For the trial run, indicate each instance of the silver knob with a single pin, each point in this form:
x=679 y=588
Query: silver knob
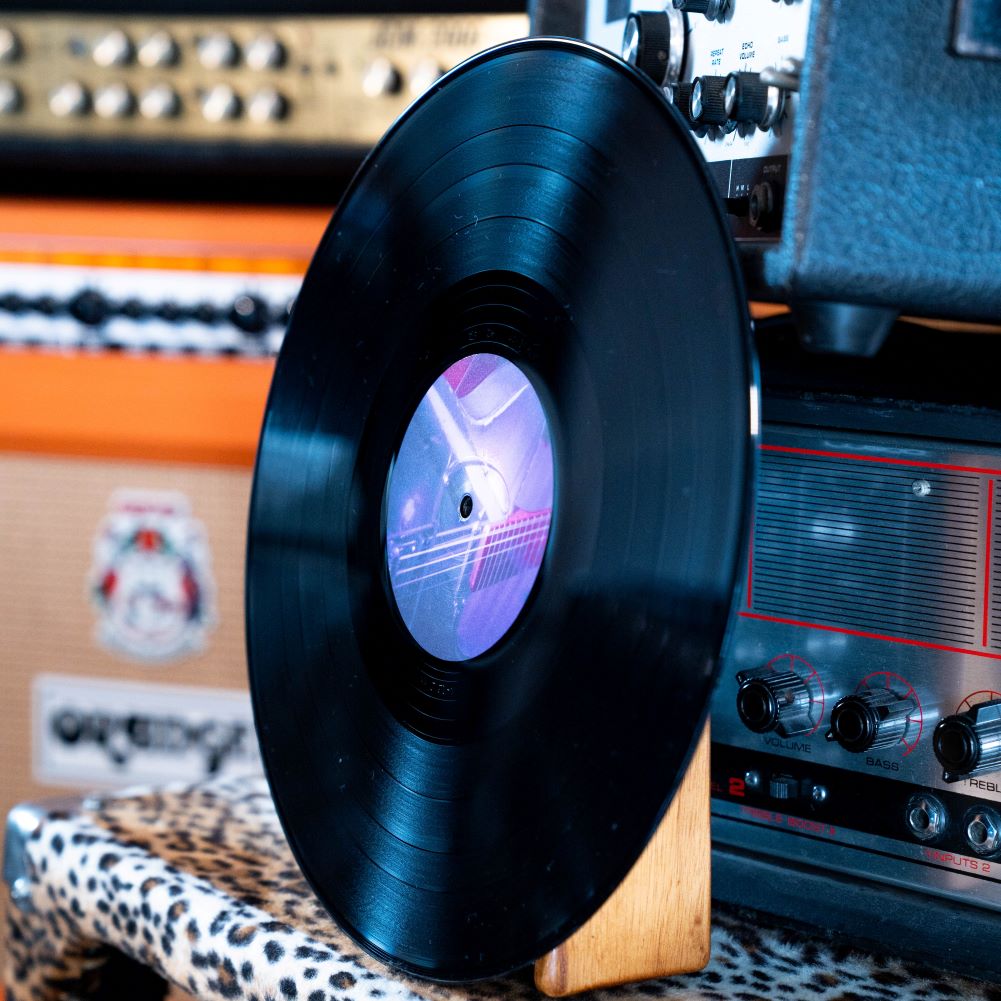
x=114 y=100
x=158 y=49
x=424 y=75
x=380 y=77
x=113 y=48
x=69 y=99
x=926 y=816
x=217 y=50
x=265 y=52
x=10 y=45
x=159 y=101
x=10 y=97
x=267 y=105
x=220 y=103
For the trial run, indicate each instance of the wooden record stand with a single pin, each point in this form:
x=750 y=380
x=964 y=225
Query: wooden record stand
x=656 y=923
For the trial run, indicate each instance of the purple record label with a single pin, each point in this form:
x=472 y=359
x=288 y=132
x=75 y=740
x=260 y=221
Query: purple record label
x=470 y=500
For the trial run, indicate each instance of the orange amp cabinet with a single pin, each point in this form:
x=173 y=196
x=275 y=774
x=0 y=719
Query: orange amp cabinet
x=136 y=349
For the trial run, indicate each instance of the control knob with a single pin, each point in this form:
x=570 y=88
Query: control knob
x=969 y=743
x=113 y=100
x=380 y=78
x=423 y=75
x=778 y=702
x=870 y=719
x=714 y=10
x=681 y=94
x=113 y=48
x=220 y=103
x=159 y=101
x=267 y=105
x=708 y=104
x=69 y=99
x=158 y=49
x=749 y=100
x=250 y=314
x=654 y=42
x=10 y=45
x=89 y=307
x=265 y=52
x=10 y=97
x=217 y=50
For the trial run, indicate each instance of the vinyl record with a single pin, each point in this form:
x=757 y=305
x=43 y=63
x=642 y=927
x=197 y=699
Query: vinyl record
x=498 y=510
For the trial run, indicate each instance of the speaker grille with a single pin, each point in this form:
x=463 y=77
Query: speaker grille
x=892 y=550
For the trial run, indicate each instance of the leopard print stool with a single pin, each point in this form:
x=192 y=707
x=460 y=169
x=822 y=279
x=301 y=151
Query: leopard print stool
x=196 y=887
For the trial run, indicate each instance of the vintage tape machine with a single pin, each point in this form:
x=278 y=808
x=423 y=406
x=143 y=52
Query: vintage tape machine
x=848 y=151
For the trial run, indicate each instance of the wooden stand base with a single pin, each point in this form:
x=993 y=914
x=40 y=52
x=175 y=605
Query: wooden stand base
x=656 y=923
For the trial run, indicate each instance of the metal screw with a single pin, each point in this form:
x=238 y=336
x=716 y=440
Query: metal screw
x=921 y=488
x=752 y=780
x=818 y=794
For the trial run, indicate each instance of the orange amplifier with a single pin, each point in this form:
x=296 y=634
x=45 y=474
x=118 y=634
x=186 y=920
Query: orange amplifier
x=136 y=348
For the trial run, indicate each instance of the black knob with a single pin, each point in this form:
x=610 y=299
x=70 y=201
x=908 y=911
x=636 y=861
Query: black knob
x=746 y=98
x=250 y=314
x=751 y=101
x=134 y=309
x=774 y=702
x=969 y=743
x=708 y=105
x=682 y=93
x=171 y=312
x=764 y=206
x=714 y=10
x=646 y=43
x=90 y=308
x=47 y=305
x=869 y=720
x=206 y=313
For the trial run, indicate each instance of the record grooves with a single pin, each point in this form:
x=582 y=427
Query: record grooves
x=498 y=510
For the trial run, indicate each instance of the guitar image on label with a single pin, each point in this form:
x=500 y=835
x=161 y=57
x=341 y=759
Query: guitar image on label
x=469 y=507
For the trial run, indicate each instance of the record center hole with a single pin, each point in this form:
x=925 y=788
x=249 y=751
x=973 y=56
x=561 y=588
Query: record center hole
x=465 y=507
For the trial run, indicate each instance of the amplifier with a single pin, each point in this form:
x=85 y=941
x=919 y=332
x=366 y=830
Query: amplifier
x=857 y=723
x=831 y=165
x=277 y=91
x=171 y=279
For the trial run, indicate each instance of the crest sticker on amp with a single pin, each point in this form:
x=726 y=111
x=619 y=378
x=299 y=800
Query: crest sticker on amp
x=151 y=578
x=101 y=732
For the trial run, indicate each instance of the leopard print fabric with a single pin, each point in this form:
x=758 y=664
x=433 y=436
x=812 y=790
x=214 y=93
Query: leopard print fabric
x=197 y=887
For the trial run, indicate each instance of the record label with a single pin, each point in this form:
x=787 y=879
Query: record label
x=469 y=504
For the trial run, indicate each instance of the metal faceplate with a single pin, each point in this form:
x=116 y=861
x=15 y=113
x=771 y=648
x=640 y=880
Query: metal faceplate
x=213 y=78
x=873 y=566
x=752 y=36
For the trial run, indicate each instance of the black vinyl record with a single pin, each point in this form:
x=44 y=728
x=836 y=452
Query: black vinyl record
x=498 y=510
